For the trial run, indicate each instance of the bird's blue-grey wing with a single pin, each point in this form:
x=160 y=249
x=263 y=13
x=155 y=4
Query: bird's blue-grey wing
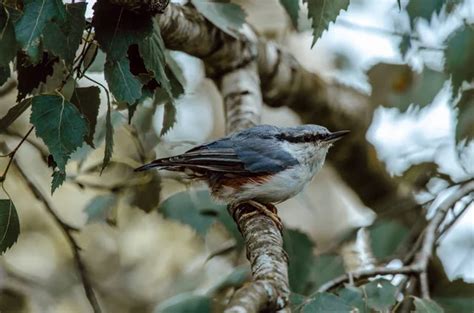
x=249 y=152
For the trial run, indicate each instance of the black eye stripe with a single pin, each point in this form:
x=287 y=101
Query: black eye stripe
x=301 y=138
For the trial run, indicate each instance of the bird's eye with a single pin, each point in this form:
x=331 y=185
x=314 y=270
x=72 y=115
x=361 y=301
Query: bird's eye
x=307 y=138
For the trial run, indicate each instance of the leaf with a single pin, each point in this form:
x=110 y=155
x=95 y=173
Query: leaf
x=423 y=9
x=87 y=100
x=9 y=225
x=30 y=76
x=228 y=17
x=63 y=36
x=29 y=28
x=396 y=85
x=4 y=74
x=326 y=302
x=460 y=51
x=62 y=128
x=301 y=259
x=326 y=267
x=169 y=117
x=186 y=303
x=380 y=294
x=465 y=123
x=147 y=196
x=123 y=85
x=387 y=237
x=296 y=301
x=292 y=7
x=235 y=279
x=58 y=179
x=354 y=297
x=193 y=209
x=97 y=210
x=7 y=38
x=405 y=45
x=426 y=306
x=418 y=175
x=109 y=139
x=322 y=13
x=14 y=113
x=175 y=75
x=152 y=50
x=116 y=29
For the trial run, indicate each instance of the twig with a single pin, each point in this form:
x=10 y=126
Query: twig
x=11 y=155
x=67 y=231
x=424 y=285
x=453 y=221
x=422 y=256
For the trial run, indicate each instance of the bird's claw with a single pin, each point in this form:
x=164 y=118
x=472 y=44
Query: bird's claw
x=268 y=210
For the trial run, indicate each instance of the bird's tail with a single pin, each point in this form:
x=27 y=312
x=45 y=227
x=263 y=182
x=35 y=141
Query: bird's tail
x=160 y=163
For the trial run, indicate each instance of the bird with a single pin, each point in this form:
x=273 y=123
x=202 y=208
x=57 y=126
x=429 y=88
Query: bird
x=261 y=165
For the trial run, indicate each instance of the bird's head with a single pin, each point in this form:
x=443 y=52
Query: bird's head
x=312 y=134
x=309 y=143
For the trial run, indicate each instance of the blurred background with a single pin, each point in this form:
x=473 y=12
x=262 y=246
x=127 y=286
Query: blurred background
x=143 y=249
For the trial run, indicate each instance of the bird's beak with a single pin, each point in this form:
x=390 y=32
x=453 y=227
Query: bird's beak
x=335 y=136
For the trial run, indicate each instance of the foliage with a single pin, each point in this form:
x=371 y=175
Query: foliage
x=51 y=47
x=9 y=225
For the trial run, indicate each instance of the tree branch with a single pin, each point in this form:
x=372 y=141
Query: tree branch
x=270 y=287
x=422 y=257
x=67 y=231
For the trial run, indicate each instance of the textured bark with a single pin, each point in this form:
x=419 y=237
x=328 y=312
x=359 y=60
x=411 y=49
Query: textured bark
x=284 y=82
x=269 y=289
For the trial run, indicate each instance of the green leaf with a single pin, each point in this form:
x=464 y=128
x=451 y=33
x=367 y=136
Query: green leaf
x=228 y=17
x=62 y=128
x=152 y=50
x=296 y=301
x=322 y=13
x=109 y=139
x=4 y=74
x=325 y=268
x=405 y=45
x=195 y=209
x=9 y=225
x=326 y=302
x=423 y=9
x=380 y=294
x=169 y=117
x=354 y=297
x=465 y=124
x=292 y=7
x=186 y=303
x=301 y=260
x=116 y=29
x=87 y=100
x=30 y=76
x=7 y=38
x=427 y=306
x=63 y=37
x=175 y=75
x=460 y=51
x=14 y=113
x=98 y=208
x=235 y=279
x=147 y=196
x=396 y=85
x=387 y=238
x=59 y=178
x=29 y=28
x=122 y=83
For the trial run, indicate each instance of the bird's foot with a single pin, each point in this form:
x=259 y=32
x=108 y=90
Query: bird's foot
x=269 y=210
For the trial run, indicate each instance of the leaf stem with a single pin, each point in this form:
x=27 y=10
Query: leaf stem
x=11 y=155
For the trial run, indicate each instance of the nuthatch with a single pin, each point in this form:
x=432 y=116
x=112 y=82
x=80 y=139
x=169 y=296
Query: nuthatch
x=261 y=165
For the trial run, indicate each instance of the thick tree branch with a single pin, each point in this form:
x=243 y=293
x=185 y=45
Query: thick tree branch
x=269 y=289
